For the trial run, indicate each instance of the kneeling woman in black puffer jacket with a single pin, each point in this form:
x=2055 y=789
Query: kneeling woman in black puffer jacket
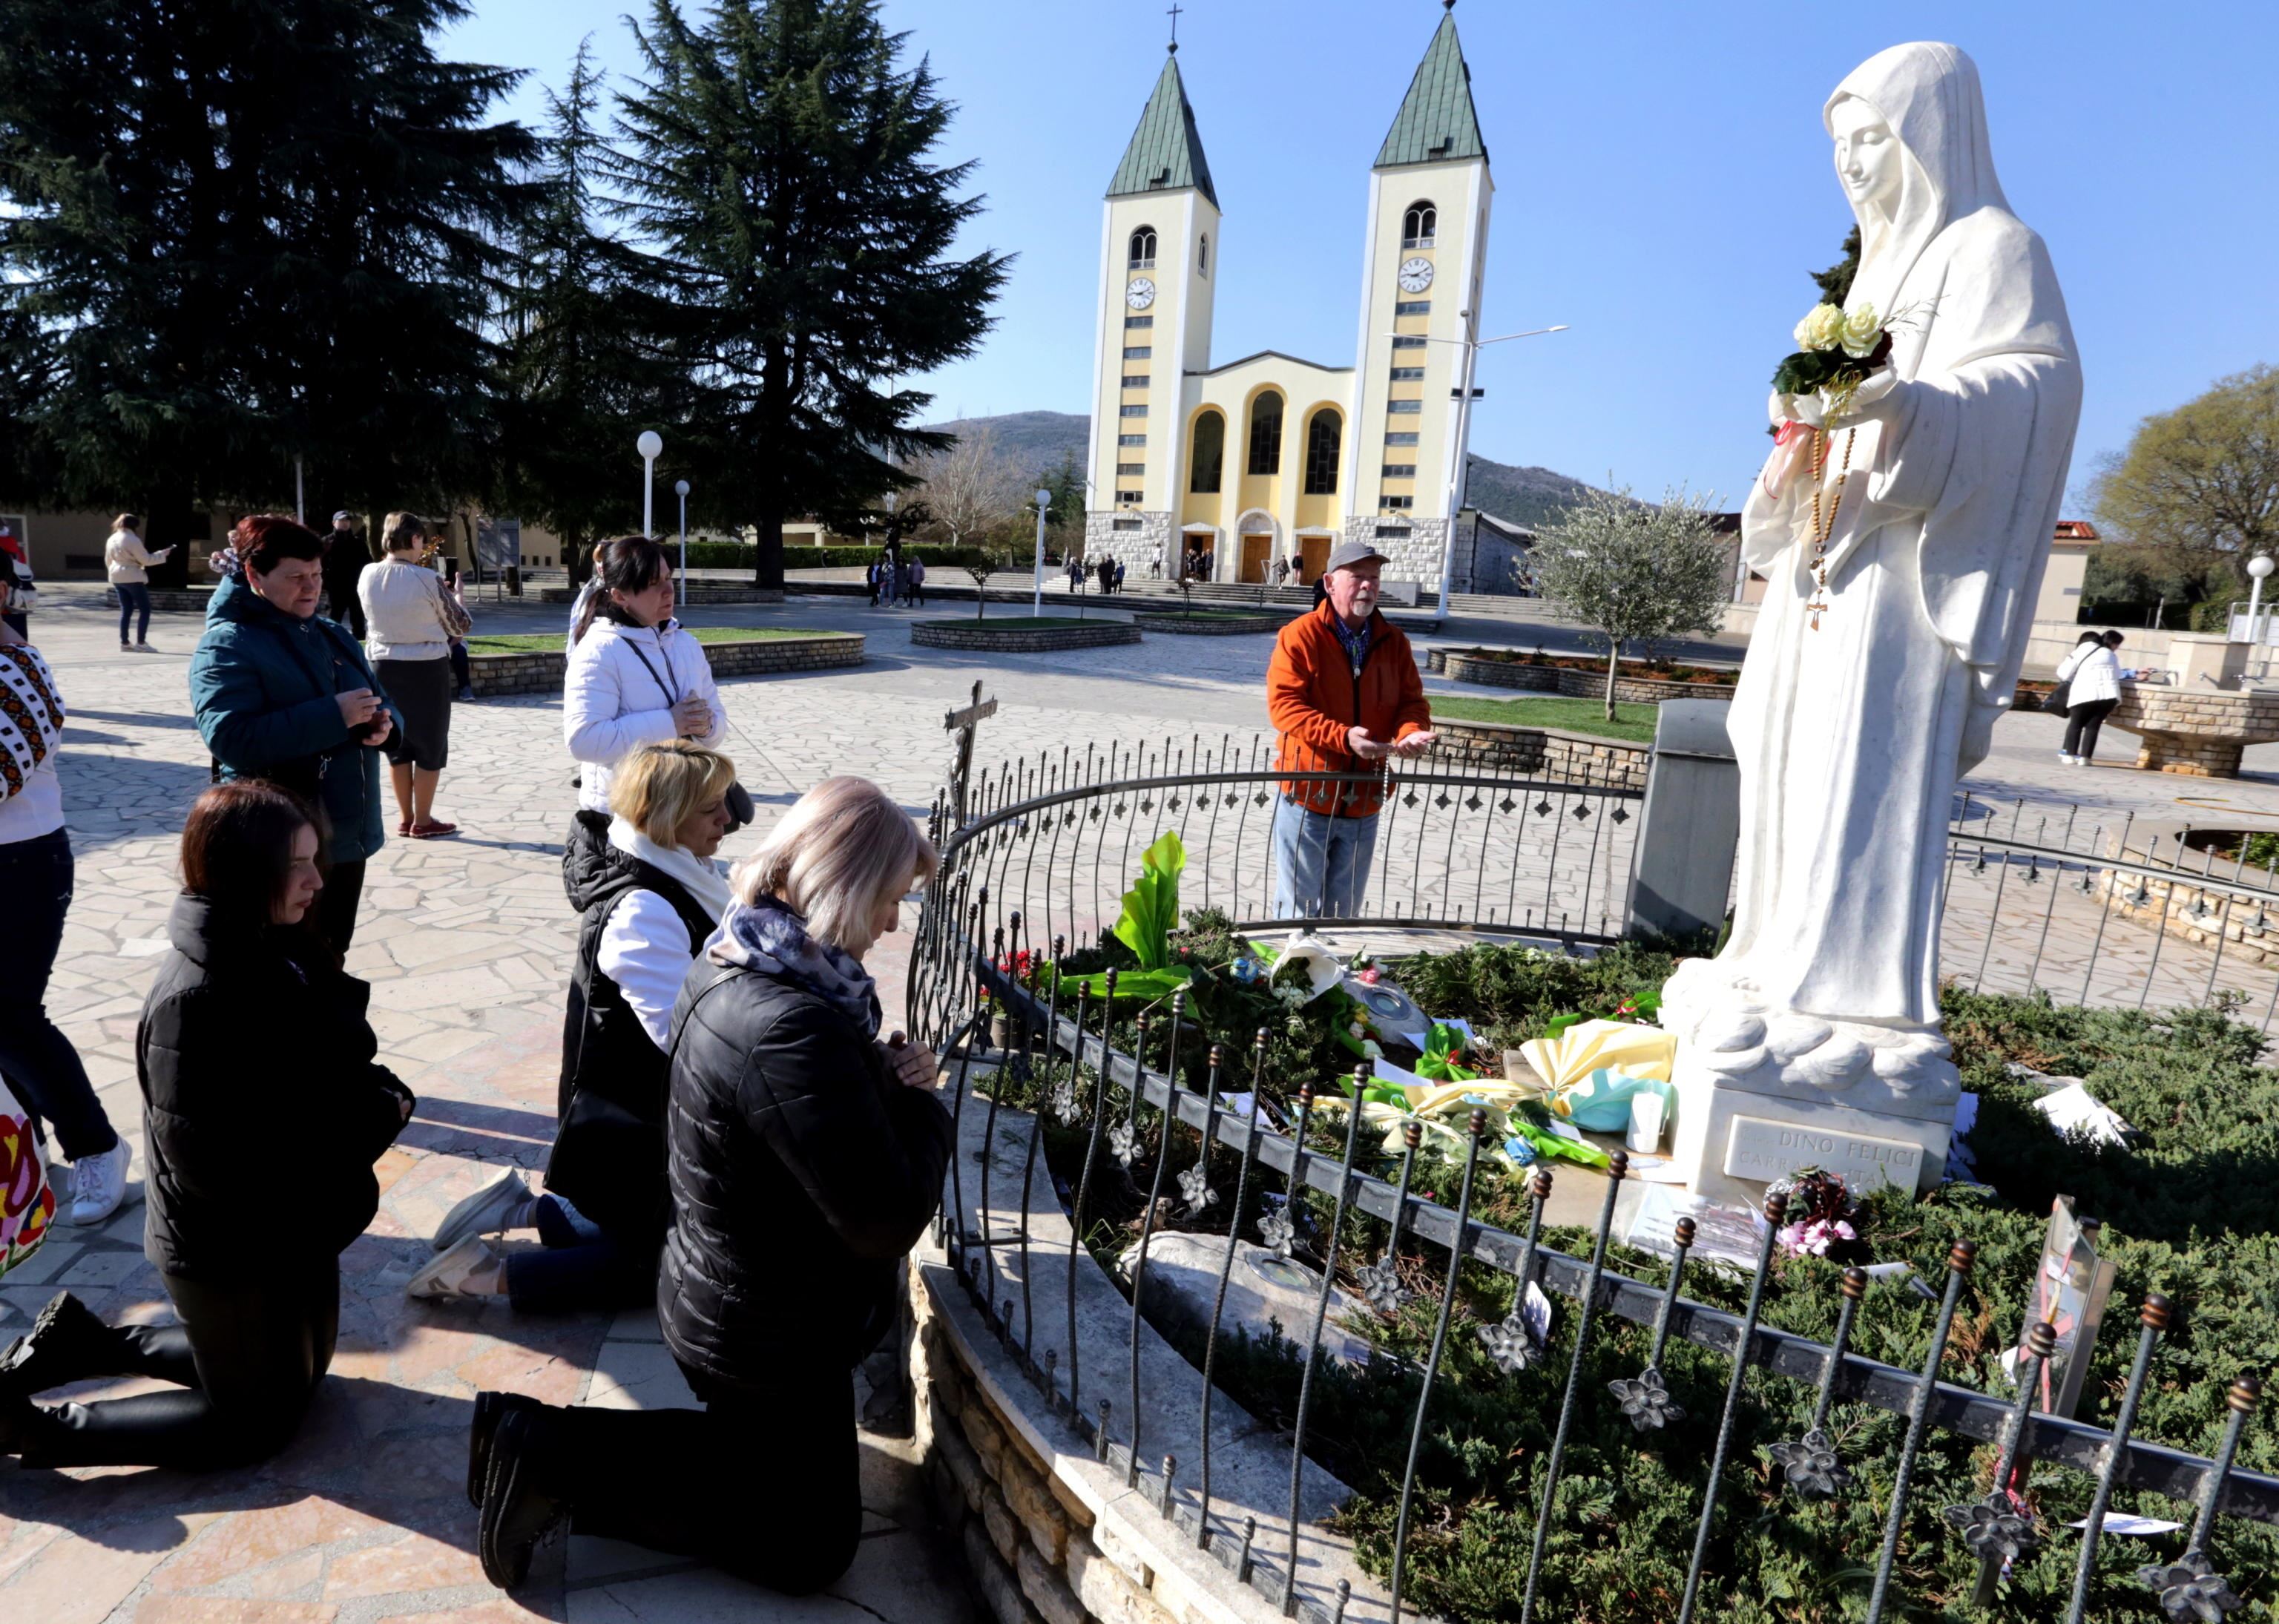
x=805 y=1159
x=264 y=1110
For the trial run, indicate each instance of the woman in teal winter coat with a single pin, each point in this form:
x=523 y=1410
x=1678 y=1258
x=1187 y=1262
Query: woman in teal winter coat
x=283 y=695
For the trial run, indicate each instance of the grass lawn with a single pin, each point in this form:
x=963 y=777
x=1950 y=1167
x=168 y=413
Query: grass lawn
x=1021 y=623
x=1574 y=716
x=1216 y=614
x=552 y=642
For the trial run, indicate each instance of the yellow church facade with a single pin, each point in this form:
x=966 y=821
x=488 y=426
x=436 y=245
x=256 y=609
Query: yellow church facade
x=1272 y=457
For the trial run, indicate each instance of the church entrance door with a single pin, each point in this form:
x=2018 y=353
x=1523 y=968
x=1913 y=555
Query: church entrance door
x=1316 y=551
x=1257 y=558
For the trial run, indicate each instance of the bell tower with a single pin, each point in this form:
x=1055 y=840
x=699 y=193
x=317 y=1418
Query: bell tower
x=1159 y=249
x=1422 y=279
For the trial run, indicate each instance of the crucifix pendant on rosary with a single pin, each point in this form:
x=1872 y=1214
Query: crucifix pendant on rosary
x=1818 y=605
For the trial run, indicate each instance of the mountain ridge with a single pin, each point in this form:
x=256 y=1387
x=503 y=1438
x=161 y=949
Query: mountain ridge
x=1038 y=442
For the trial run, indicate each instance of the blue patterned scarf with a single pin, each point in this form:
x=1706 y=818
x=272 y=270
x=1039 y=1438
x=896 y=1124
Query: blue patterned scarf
x=768 y=938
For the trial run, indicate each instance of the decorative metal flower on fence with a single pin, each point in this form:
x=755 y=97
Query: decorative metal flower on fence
x=1194 y=1186
x=1996 y=1529
x=1511 y=1343
x=1645 y=1400
x=1380 y=1283
x=2190 y=1588
x=1124 y=1141
x=1811 y=1465
x=1061 y=1101
x=1276 y=1232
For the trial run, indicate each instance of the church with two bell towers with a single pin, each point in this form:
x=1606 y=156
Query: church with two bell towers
x=1272 y=456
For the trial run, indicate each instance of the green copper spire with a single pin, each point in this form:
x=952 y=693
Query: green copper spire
x=1437 y=123
x=1165 y=153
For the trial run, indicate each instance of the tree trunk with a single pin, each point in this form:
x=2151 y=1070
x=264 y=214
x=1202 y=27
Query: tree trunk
x=768 y=561
x=166 y=523
x=1614 y=663
x=577 y=557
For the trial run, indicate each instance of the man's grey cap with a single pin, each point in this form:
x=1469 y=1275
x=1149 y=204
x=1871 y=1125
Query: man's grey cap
x=1348 y=554
x=343 y=516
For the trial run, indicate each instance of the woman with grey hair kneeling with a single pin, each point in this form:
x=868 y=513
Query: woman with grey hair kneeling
x=805 y=1158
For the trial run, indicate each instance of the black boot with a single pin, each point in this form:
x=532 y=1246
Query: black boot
x=66 y=1343
x=20 y=1424
x=516 y=1512
x=490 y=1409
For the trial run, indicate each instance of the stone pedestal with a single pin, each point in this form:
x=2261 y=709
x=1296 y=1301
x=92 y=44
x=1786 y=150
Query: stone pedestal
x=1763 y=1092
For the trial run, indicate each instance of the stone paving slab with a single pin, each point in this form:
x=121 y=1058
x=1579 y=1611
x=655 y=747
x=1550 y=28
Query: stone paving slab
x=466 y=942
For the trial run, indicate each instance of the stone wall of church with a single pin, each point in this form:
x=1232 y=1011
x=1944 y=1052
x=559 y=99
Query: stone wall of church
x=1411 y=546
x=1135 y=540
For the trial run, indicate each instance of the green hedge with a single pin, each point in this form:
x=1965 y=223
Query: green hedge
x=738 y=556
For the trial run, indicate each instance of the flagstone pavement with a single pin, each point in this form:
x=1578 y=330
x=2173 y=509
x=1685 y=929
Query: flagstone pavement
x=466 y=942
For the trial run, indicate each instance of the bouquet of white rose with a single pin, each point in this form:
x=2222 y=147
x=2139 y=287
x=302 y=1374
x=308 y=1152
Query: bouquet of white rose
x=1836 y=351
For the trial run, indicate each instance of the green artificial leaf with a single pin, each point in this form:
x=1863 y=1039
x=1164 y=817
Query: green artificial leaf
x=1151 y=908
x=1146 y=985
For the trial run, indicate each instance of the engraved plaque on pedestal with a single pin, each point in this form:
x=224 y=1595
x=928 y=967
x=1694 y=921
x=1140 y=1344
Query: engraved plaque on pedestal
x=1762 y=1149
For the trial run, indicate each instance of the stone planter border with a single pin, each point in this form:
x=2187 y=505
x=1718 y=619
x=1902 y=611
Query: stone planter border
x=497 y=676
x=2196 y=732
x=1548 y=752
x=979 y=636
x=1466 y=665
x=2197 y=912
x=1219 y=626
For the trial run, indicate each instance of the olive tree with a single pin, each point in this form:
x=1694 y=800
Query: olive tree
x=1632 y=573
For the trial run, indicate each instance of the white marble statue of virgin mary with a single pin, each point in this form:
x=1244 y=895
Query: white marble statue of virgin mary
x=1851 y=733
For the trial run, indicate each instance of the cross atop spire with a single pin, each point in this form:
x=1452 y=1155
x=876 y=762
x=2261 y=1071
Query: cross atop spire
x=1174 y=14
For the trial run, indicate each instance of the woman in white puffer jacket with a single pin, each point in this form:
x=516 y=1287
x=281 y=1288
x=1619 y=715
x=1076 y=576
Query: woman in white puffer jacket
x=2093 y=675
x=636 y=677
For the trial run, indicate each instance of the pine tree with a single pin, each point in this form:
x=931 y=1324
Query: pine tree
x=585 y=372
x=245 y=233
x=778 y=155
x=1835 y=283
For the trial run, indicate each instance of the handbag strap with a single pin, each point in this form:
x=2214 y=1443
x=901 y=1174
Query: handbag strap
x=671 y=694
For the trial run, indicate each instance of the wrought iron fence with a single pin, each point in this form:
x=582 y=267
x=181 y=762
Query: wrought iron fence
x=1032 y=862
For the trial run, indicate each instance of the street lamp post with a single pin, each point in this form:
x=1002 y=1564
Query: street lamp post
x=650 y=445
x=2258 y=571
x=1043 y=498
x=680 y=489
x=1472 y=348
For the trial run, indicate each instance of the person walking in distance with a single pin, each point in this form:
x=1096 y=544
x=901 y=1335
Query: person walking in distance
x=346 y=557
x=283 y=695
x=411 y=621
x=636 y=677
x=265 y=1108
x=603 y=1214
x=805 y=1158
x=126 y=562
x=918 y=581
x=40 y=1065
x=2093 y=676
x=1343 y=690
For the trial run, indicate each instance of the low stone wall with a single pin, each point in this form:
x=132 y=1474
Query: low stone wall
x=2198 y=733
x=1464 y=665
x=497 y=676
x=1548 y=752
x=979 y=636
x=697 y=593
x=168 y=600
x=1200 y=625
x=2189 y=905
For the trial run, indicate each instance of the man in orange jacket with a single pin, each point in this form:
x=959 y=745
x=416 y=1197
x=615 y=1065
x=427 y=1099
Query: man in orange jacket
x=1344 y=693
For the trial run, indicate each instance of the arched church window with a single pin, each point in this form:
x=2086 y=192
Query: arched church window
x=1206 y=456
x=1324 y=439
x=1419 y=225
x=1143 y=249
x=1202 y=255
x=1266 y=434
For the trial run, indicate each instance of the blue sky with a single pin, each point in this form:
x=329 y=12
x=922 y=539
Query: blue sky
x=1662 y=185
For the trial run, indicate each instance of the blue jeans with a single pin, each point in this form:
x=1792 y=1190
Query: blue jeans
x=583 y=1266
x=1321 y=863
x=134 y=595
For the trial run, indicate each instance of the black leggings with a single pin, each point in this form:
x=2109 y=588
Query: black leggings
x=247 y=1359
x=766 y=1486
x=2082 y=724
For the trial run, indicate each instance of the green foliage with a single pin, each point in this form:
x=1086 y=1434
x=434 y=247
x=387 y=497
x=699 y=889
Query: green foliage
x=778 y=153
x=1633 y=573
x=1835 y=283
x=1151 y=908
x=2200 y=483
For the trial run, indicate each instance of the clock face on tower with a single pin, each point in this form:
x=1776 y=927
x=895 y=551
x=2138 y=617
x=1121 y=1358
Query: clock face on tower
x=1140 y=293
x=1416 y=275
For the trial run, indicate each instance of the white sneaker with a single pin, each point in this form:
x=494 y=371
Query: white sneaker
x=483 y=1213
x=447 y=1276
x=99 y=1184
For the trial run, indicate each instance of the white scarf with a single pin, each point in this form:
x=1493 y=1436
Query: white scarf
x=702 y=877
